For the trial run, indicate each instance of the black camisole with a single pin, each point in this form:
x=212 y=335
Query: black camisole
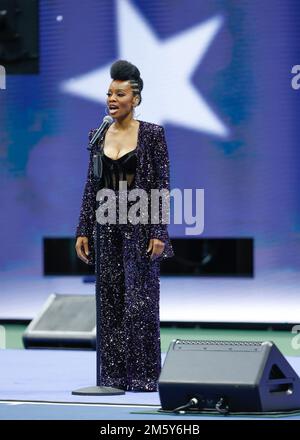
x=115 y=170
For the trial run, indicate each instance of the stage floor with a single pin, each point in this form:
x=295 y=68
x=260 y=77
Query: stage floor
x=37 y=384
x=269 y=298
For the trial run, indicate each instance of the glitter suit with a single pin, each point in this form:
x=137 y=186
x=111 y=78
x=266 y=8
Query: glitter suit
x=127 y=280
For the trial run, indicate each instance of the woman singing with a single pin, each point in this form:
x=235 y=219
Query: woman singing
x=127 y=256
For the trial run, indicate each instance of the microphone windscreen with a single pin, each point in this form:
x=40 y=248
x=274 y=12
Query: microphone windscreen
x=108 y=119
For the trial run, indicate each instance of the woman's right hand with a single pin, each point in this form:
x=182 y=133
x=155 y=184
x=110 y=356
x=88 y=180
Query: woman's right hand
x=82 y=248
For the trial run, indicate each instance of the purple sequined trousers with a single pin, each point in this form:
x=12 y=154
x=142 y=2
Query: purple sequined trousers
x=127 y=300
x=127 y=281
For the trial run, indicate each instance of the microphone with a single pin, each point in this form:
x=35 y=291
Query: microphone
x=107 y=121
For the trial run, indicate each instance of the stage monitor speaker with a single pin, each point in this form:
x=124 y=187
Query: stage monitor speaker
x=227 y=376
x=65 y=321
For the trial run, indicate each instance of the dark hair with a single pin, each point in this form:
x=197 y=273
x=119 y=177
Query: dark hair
x=125 y=71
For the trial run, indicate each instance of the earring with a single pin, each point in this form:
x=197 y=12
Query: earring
x=134 y=114
x=106 y=110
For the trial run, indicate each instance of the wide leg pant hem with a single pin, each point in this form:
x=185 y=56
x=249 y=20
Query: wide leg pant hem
x=133 y=385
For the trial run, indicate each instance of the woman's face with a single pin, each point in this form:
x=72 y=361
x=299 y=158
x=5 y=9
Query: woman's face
x=120 y=99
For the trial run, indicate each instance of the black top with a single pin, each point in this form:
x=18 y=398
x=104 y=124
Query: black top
x=115 y=170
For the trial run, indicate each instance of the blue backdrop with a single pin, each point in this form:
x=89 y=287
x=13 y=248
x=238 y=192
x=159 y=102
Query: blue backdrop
x=217 y=76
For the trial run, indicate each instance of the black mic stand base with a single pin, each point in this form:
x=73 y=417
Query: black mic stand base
x=98 y=391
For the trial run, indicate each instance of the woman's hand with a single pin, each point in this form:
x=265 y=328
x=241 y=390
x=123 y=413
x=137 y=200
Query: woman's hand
x=82 y=248
x=157 y=246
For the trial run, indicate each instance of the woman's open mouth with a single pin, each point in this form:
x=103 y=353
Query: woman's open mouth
x=113 y=109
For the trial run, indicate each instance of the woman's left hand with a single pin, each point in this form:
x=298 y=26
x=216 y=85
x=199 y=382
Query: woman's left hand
x=157 y=246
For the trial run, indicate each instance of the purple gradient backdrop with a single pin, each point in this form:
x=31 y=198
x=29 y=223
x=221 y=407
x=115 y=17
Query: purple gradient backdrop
x=250 y=180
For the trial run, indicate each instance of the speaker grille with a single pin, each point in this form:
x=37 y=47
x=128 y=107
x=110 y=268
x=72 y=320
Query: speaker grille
x=222 y=343
x=68 y=313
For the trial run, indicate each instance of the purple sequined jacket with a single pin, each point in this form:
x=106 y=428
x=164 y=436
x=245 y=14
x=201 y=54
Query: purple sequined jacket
x=152 y=171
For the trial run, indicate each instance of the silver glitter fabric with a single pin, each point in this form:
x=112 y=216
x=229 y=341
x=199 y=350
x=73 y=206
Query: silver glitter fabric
x=127 y=280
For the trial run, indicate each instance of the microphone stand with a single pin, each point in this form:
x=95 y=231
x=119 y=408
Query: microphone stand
x=98 y=390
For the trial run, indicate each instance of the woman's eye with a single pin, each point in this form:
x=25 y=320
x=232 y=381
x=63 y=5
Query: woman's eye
x=119 y=94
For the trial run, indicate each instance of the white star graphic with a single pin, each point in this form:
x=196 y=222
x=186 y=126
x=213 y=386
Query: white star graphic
x=166 y=68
